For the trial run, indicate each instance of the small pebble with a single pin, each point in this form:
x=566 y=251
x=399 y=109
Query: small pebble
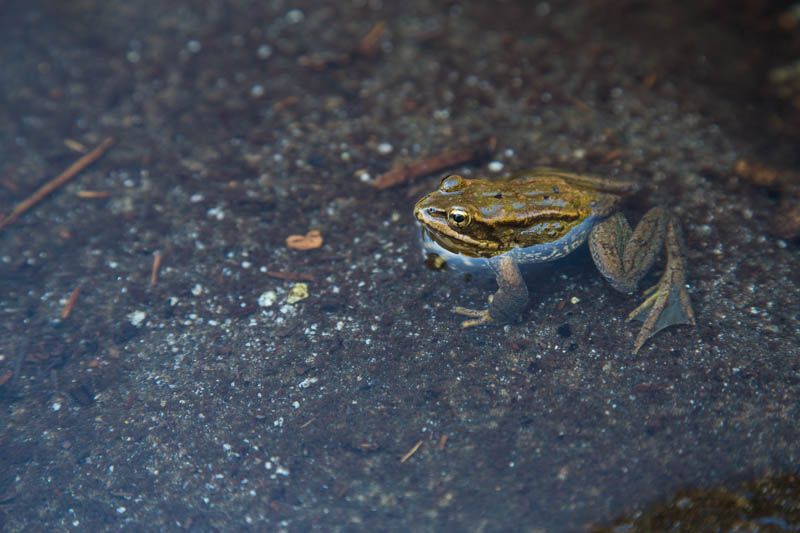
x=495 y=166
x=299 y=291
x=385 y=148
x=295 y=16
x=194 y=46
x=306 y=383
x=137 y=318
x=267 y=299
x=264 y=51
x=216 y=212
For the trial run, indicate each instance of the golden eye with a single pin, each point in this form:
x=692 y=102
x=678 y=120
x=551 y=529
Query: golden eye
x=458 y=217
x=450 y=183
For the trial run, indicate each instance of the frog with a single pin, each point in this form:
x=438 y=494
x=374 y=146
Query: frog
x=546 y=214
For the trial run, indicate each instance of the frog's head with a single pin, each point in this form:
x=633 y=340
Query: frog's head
x=459 y=218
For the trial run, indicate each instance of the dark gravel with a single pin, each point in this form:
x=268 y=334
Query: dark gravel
x=191 y=405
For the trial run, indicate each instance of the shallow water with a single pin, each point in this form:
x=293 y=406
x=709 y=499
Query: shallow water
x=201 y=399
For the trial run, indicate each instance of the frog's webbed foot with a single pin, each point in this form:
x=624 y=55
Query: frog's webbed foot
x=667 y=302
x=480 y=317
x=624 y=257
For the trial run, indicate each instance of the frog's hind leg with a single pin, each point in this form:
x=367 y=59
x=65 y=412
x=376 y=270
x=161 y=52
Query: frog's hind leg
x=624 y=257
x=668 y=301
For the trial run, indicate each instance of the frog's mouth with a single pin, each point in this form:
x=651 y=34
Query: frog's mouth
x=458 y=244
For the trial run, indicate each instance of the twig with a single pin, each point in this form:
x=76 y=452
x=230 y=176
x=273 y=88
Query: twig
x=57 y=182
x=367 y=45
x=423 y=167
x=290 y=276
x=93 y=194
x=612 y=155
x=411 y=452
x=763 y=175
x=75 y=146
x=785 y=221
x=73 y=297
x=156 y=264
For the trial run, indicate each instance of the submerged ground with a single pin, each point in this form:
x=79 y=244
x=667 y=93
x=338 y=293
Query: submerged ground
x=206 y=399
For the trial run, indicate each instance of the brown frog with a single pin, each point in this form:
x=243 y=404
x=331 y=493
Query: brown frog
x=543 y=215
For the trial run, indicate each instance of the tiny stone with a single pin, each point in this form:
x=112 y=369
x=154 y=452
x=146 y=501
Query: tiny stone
x=257 y=91
x=137 y=318
x=216 y=212
x=385 y=148
x=299 y=291
x=306 y=383
x=194 y=46
x=495 y=166
x=264 y=51
x=267 y=299
x=295 y=15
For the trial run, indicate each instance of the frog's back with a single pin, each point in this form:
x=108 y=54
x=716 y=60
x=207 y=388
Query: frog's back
x=561 y=196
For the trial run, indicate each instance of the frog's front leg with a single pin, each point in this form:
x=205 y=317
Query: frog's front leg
x=510 y=300
x=624 y=257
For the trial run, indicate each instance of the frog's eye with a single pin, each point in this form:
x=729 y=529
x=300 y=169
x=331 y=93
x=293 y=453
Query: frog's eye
x=450 y=183
x=458 y=217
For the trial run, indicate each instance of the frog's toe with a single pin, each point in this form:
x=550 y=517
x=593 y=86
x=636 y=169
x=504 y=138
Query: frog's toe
x=668 y=304
x=480 y=317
